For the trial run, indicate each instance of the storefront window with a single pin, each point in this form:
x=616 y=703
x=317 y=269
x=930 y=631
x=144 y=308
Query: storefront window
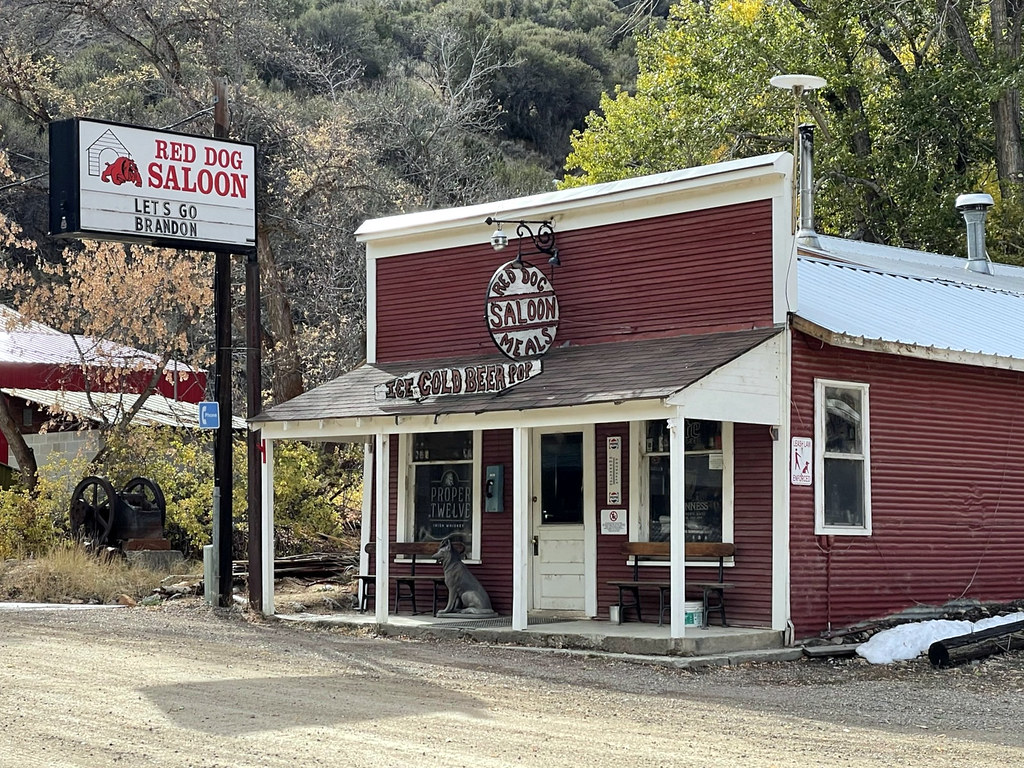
x=842 y=498
x=442 y=466
x=703 y=466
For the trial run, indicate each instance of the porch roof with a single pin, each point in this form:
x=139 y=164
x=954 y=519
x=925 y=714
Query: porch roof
x=602 y=373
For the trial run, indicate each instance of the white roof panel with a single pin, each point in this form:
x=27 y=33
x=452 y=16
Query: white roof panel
x=156 y=411
x=948 y=310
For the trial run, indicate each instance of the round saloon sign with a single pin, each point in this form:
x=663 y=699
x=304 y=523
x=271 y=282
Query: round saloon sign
x=522 y=310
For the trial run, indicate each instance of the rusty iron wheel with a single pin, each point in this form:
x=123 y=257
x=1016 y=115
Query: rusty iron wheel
x=150 y=495
x=92 y=510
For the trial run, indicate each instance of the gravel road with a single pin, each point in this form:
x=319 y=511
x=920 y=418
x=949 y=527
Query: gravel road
x=186 y=685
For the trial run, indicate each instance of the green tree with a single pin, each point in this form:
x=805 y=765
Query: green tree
x=903 y=131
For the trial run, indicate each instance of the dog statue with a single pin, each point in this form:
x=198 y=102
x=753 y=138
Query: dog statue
x=466 y=596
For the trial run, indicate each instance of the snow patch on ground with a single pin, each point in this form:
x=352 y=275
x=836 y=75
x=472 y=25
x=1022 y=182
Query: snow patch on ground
x=908 y=641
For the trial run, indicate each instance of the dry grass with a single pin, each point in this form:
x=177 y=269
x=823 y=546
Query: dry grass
x=69 y=574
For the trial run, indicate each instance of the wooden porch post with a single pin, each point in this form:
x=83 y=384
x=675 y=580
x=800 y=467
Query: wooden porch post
x=267 y=532
x=382 y=484
x=366 y=517
x=520 y=526
x=677 y=514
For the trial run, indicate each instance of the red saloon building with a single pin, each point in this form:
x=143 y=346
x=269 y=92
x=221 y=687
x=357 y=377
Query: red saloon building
x=666 y=359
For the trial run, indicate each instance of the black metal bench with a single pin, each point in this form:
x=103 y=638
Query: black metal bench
x=713 y=592
x=405 y=583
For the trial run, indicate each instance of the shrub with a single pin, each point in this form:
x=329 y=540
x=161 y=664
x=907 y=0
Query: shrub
x=317 y=487
x=26 y=528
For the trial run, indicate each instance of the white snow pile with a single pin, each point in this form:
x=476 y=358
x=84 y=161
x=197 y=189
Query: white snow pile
x=908 y=641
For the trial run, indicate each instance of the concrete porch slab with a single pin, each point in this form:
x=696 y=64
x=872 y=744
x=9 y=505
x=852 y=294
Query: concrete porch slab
x=545 y=631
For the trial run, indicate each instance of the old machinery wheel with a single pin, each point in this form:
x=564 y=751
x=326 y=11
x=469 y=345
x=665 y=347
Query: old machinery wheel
x=146 y=494
x=92 y=510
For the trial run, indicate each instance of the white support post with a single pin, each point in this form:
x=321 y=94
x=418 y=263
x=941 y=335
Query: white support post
x=366 y=518
x=267 y=543
x=677 y=514
x=520 y=526
x=780 y=496
x=382 y=486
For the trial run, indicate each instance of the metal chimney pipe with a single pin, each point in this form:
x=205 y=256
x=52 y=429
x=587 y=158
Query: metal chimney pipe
x=974 y=209
x=805 y=234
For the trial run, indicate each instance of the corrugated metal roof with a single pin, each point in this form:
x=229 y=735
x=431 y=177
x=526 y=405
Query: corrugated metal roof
x=948 y=309
x=598 y=373
x=156 y=411
x=26 y=342
x=906 y=261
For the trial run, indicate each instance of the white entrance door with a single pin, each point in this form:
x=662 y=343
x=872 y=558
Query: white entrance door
x=562 y=470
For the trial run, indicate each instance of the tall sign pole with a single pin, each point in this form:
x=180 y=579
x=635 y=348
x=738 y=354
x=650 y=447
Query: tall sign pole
x=253 y=362
x=222 y=472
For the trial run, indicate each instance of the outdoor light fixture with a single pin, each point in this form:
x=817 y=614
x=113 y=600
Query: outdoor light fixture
x=543 y=239
x=499 y=239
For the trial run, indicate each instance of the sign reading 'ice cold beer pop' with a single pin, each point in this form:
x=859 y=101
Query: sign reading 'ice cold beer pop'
x=464 y=380
x=522 y=311
x=120 y=182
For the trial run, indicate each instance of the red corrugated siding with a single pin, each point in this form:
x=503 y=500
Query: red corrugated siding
x=611 y=563
x=750 y=602
x=947 y=489
x=495 y=569
x=693 y=272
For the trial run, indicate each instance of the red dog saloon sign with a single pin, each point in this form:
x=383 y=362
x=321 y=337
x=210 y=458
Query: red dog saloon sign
x=522 y=310
x=119 y=182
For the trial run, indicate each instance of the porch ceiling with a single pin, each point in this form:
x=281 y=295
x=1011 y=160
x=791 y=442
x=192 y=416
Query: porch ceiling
x=572 y=376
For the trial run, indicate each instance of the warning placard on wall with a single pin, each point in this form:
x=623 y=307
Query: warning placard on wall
x=801 y=457
x=613 y=521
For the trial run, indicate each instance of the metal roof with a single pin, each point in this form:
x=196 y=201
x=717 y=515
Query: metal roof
x=912 y=298
x=601 y=373
x=156 y=411
x=27 y=342
x=923 y=264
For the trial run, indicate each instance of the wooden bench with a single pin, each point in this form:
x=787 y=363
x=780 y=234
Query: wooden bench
x=405 y=583
x=713 y=591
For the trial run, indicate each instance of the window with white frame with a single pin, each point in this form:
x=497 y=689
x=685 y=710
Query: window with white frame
x=441 y=474
x=842 y=497
x=707 y=466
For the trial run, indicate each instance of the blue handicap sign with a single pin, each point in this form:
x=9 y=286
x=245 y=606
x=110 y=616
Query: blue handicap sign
x=209 y=415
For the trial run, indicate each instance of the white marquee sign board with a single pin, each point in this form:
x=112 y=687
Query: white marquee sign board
x=118 y=182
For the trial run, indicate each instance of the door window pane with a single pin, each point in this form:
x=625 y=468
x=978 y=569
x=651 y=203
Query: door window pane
x=561 y=478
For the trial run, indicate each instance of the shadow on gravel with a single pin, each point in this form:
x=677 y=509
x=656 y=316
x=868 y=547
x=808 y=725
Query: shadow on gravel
x=275 y=703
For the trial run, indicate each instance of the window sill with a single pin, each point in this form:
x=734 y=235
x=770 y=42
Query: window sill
x=836 y=530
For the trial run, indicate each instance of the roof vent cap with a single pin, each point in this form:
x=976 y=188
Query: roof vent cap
x=974 y=200
x=974 y=208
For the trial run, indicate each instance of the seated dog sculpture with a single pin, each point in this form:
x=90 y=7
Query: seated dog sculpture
x=466 y=596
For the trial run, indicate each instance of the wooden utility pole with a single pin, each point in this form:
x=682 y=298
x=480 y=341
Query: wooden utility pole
x=253 y=441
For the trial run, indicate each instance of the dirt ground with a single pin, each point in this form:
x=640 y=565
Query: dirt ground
x=182 y=684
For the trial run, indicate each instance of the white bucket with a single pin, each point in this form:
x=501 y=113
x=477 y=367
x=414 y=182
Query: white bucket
x=694 y=612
